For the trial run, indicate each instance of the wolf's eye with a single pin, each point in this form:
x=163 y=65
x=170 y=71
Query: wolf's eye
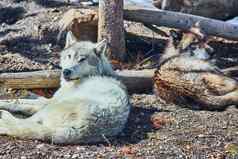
x=69 y=56
x=193 y=47
x=82 y=59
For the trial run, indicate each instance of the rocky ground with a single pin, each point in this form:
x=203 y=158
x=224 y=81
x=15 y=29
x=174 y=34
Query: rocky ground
x=155 y=130
x=28 y=41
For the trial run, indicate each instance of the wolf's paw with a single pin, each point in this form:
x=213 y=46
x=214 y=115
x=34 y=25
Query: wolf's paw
x=4 y=130
x=5 y=115
x=6 y=119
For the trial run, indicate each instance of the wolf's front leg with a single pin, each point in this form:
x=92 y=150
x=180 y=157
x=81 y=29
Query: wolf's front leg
x=24 y=106
x=22 y=128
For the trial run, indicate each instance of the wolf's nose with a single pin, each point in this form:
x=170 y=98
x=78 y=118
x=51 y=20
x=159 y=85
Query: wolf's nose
x=67 y=73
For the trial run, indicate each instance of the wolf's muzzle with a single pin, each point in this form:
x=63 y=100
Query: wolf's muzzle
x=67 y=74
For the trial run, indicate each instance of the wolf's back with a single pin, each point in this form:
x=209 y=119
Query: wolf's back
x=187 y=80
x=110 y=107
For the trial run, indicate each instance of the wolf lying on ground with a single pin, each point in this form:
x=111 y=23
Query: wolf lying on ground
x=90 y=106
x=186 y=76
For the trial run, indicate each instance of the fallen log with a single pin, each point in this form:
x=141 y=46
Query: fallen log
x=231 y=71
x=73 y=19
x=135 y=81
x=30 y=80
x=181 y=21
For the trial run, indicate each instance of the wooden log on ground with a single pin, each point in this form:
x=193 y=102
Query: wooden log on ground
x=135 y=81
x=181 y=21
x=30 y=80
x=111 y=27
x=231 y=71
x=157 y=17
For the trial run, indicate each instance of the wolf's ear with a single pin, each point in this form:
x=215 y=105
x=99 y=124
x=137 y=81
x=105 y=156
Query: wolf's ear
x=197 y=30
x=175 y=37
x=101 y=47
x=70 y=39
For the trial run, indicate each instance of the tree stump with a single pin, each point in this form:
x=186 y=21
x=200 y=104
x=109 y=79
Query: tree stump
x=83 y=23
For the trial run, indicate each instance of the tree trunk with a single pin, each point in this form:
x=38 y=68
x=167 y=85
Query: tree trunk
x=111 y=27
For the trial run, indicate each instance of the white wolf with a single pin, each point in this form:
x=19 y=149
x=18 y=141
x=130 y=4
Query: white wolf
x=90 y=106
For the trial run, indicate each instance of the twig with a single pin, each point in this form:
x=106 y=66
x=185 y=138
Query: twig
x=156 y=30
x=106 y=139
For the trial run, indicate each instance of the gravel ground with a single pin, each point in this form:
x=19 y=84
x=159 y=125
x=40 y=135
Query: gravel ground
x=154 y=130
x=28 y=31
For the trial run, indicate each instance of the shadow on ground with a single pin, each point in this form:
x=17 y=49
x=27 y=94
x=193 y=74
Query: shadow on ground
x=226 y=54
x=138 y=126
x=5 y=32
x=11 y=15
x=51 y=3
x=47 y=3
x=34 y=48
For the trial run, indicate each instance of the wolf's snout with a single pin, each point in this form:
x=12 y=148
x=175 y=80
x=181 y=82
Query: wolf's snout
x=67 y=73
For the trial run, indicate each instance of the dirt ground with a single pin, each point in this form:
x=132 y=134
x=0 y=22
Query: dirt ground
x=28 y=41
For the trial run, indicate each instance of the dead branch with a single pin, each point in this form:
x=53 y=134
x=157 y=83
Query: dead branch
x=156 y=30
x=181 y=21
x=151 y=17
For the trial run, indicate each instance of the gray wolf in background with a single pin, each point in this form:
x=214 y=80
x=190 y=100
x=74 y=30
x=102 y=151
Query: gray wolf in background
x=90 y=106
x=187 y=76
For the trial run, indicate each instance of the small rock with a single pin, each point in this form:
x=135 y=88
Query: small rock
x=201 y=135
x=231 y=149
x=75 y=156
x=40 y=146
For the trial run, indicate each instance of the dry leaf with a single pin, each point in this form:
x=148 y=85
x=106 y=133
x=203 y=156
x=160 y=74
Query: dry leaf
x=159 y=121
x=232 y=149
x=127 y=150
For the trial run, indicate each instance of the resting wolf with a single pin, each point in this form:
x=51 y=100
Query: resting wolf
x=188 y=77
x=90 y=106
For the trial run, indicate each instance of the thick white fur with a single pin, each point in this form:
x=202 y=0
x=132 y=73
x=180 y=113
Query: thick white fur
x=87 y=110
